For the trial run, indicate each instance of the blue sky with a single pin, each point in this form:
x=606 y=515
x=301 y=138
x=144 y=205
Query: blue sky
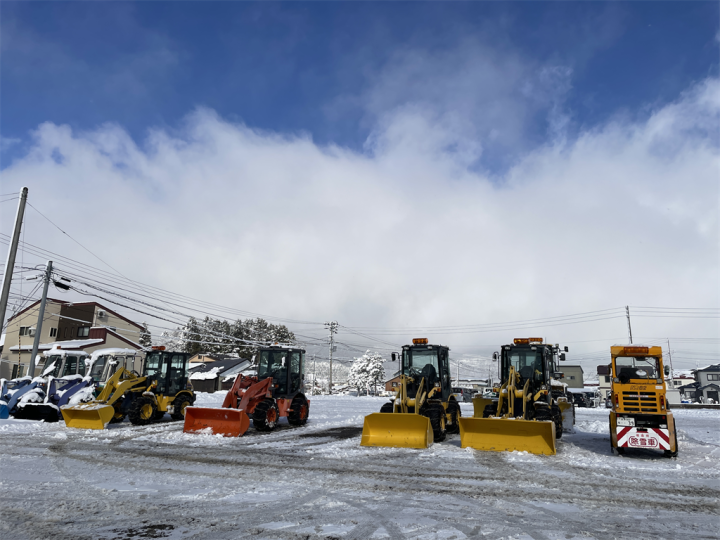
x=330 y=69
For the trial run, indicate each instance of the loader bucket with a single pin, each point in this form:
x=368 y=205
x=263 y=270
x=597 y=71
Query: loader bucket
x=479 y=404
x=88 y=415
x=501 y=434
x=226 y=422
x=397 y=430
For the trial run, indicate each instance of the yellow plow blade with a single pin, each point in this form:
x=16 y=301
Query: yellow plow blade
x=397 y=430
x=479 y=404
x=501 y=434
x=91 y=415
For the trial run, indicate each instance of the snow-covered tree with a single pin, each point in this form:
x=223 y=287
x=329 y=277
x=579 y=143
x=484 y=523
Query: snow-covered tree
x=366 y=371
x=145 y=340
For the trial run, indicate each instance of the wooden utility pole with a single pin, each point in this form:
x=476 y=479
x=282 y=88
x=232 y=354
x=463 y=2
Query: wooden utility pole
x=12 y=251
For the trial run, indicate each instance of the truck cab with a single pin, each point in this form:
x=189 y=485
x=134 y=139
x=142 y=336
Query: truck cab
x=640 y=417
x=431 y=362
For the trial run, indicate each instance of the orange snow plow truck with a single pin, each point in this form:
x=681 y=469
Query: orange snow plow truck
x=640 y=417
x=276 y=391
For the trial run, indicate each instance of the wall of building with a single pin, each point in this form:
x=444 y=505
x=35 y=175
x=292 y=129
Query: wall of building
x=573 y=376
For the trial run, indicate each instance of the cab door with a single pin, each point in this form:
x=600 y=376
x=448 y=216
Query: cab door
x=444 y=361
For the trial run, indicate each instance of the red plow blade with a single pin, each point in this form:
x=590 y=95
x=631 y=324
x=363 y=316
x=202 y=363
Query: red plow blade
x=226 y=422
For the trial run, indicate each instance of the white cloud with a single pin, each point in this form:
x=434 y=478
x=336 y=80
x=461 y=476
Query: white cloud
x=625 y=214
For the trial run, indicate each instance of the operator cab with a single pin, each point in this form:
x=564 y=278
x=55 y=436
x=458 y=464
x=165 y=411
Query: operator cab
x=167 y=372
x=62 y=364
x=430 y=362
x=285 y=366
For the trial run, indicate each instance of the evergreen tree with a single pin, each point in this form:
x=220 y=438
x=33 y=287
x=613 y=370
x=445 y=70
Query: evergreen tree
x=366 y=371
x=145 y=340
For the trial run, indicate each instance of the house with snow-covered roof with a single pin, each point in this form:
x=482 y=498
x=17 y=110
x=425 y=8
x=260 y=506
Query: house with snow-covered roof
x=218 y=374
x=86 y=326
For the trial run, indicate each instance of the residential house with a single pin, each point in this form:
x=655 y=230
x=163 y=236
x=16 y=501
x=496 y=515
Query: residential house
x=573 y=376
x=708 y=381
x=209 y=376
x=80 y=325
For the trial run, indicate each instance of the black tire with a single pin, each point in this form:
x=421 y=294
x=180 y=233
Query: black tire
x=387 y=408
x=180 y=403
x=490 y=410
x=436 y=414
x=266 y=415
x=142 y=411
x=543 y=413
x=299 y=411
x=119 y=415
x=557 y=418
x=455 y=413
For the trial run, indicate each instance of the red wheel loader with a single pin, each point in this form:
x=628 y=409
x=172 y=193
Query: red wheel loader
x=276 y=391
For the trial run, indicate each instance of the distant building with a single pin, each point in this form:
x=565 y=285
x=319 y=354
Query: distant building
x=573 y=376
x=205 y=358
x=708 y=384
x=212 y=375
x=87 y=326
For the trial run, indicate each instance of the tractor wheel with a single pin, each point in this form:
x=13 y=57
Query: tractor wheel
x=266 y=415
x=119 y=415
x=300 y=410
x=543 y=412
x=453 y=410
x=436 y=414
x=489 y=410
x=387 y=408
x=142 y=411
x=179 y=405
x=557 y=418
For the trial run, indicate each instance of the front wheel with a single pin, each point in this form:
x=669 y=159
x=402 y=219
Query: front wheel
x=387 y=408
x=266 y=415
x=455 y=413
x=143 y=411
x=436 y=414
x=299 y=411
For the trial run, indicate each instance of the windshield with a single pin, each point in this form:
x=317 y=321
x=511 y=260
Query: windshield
x=637 y=367
x=273 y=364
x=422 y=362
x=527 y=362
x=153 y=364
x=53 y=362
x=97 y=368
x=71 y=363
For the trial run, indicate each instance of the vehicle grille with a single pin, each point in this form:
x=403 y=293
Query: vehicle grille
x=640 y=402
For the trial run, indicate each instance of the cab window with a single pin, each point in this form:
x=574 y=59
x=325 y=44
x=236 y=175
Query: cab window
x=637 y=367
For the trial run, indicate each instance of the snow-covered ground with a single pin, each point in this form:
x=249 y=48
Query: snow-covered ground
x=317 y=482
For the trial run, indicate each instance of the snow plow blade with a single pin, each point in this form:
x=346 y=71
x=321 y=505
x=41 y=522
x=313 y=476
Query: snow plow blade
x=37 y=411
x=397 y=430
x=226 y=422
x=506 y=434
x=88 y=415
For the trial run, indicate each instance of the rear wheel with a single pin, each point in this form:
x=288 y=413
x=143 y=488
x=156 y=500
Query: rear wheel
x=387 y=408
x=436 y=414
x=179 y=405
x=300 y=409
x=142 y=411
x=670 y=453
x=266 y=415
x=453 y=410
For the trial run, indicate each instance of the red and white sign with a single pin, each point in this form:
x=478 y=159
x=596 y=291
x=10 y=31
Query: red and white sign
x=630 y=437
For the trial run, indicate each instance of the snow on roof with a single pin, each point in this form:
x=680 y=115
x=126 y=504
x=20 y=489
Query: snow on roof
x=64 y=352
x=69 y=344
x=222 y=366
x=114 y=351
x=205 y=375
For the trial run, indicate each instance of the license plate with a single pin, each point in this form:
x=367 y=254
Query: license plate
x=622 y=421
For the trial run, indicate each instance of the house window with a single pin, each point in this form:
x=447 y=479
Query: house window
x=83 y=331
x=53 y=332
x=24 y=330
x=571 y=377
x=394 y=384
x=66 y=331
x=713 y=377
x=607 y=378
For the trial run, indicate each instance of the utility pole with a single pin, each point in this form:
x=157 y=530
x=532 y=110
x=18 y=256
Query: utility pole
x=332 y=326
x=10 y=262
x=41 y=315
x=627 y=312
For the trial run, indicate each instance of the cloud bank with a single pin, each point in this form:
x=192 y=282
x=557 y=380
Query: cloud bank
x=406 y=234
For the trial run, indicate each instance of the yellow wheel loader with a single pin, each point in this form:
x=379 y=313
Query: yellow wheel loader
x=162 y=388
x=526 y=416
x=424 y=409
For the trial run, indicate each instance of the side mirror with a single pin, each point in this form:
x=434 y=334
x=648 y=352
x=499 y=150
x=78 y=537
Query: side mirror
x=496 y=355
x=558 y=375
x=667 y=370
x=394 y=357
x=562 y=356
x=566 y=349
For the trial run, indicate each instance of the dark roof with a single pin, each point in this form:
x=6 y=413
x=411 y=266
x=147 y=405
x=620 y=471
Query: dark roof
x=221 y=365
x=217 y=357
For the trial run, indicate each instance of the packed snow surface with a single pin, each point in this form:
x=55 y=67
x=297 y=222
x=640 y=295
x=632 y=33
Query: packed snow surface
x=317 y=482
